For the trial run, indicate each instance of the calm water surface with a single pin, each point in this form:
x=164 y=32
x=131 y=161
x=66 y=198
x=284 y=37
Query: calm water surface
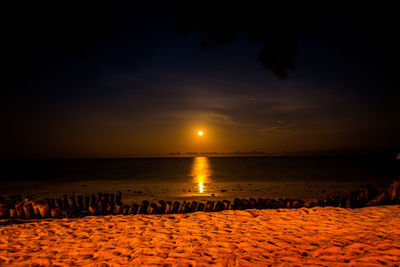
x=199 y=177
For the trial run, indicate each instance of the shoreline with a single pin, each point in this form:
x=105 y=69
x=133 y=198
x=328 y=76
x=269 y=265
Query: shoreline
x=70 y=206
x=134 y=192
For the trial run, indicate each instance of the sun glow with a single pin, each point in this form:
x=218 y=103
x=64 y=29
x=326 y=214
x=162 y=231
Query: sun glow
x=200 y=133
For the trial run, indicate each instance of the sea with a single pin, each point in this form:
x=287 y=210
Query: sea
x=197 y=178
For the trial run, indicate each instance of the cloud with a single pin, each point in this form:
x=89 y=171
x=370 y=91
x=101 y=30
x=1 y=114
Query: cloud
x=181 y=99
x=281 y=125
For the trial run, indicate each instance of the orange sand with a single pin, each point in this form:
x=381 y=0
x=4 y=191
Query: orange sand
x=318 y=236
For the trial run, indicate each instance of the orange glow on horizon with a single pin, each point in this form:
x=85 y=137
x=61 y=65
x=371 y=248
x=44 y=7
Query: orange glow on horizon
x=200 y=133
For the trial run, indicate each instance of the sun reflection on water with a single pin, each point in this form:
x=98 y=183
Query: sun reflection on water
x=201 y=172
x=201 y=187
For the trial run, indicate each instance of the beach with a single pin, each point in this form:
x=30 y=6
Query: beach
x=185 y=133
x=319 y=236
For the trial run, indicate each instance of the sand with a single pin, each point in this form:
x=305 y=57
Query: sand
x=319 y=237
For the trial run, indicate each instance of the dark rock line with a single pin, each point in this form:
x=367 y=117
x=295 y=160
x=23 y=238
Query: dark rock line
x=106 y=204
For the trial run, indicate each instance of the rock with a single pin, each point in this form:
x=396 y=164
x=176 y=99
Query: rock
x=227 y=204
x=394 y=190
x=111 y=198
x=85 y=204
x=321 y=203
x=93 y=209
x=333 y=200
x=175 y=207
x=19 y=208
x=43 y=207
x=152 y=209
x=161 y=207
x=193 y=206
x=125 y=210
x=105 y=197
x=181 y=207
x=52 y=203
x=297 y=203
x=288 y=203
x=118 y=208
x=4 y=209
x=268 y=203
x=353 y=199
x=253 y=203
x=260 y=203
x=64 y=199
x=144 y=207
x=13 y=213
x=93 y=200
x=118 y=197
x=106 y=207
x=72 y=206
x=56 y=212
x=219 y=206
x=236 y=204
x=200 y=207
x=103 y=208
x=28 y=210
x=209 y=206
x=79 y=204
x=370 y=191
x=362 y=196
x=397 y=199
x=168 y=207
x=282 y=203
x=275 y=204
x=109 y=208
x=380 y=199
x=35 y=209
x=313 y=204
x=245 y=204
x=185 y=207
x=134 y=208
x=343 y=201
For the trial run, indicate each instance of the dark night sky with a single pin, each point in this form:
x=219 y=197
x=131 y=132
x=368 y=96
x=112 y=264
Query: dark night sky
x=93 y=81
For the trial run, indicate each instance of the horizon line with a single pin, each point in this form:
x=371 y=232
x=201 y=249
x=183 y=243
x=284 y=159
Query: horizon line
x=328 y=153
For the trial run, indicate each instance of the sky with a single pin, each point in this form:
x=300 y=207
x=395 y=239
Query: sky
x=116 y=81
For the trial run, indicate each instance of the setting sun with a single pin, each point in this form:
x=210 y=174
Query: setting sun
x=200 y=133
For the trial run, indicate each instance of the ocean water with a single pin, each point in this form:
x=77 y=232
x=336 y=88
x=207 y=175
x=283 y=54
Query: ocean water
x=199 y=178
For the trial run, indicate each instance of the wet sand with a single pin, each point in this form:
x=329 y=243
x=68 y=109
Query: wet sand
x=136 y=192
x=318 y=236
